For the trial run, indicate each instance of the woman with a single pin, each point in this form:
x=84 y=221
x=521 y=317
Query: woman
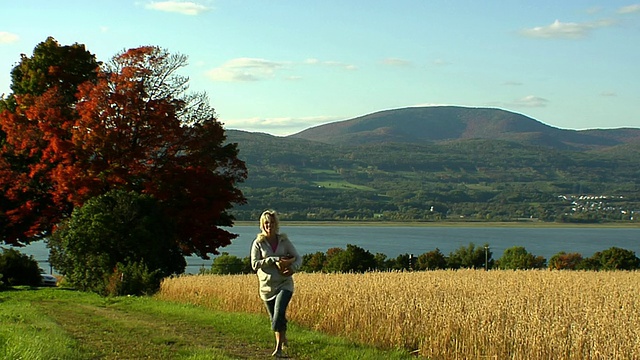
x=275 y=259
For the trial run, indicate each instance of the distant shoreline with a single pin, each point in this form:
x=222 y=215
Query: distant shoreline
x=519 y=224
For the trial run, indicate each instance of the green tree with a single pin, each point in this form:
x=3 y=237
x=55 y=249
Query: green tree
x=224 y=264
x=401 y=262
x=471 y=256
x=382 y=263
x=115 y=228
x=616 y=258
x=246 y=265
x=17 y=268
x=331 y=253
x=589 y=264
x=352 y=259
x=51 y=66
x=431 y=260
x=313 y=262
x=518 y=257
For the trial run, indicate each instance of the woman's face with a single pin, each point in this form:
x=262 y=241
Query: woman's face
x=269 y=225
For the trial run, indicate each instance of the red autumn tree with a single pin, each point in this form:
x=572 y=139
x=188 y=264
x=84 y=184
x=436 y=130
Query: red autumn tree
x=134 y=128
x=47 y=80
x=562 y=260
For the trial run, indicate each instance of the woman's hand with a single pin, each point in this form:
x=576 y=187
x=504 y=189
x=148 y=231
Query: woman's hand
x=286 y=261
x=284 y=265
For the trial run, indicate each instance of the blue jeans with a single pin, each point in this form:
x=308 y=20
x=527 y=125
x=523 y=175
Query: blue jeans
x=277 y=308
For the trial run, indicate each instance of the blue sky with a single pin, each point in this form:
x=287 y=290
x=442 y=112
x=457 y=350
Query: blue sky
x=282 y=66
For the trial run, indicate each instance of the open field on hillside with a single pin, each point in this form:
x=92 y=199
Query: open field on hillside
x=466 y=314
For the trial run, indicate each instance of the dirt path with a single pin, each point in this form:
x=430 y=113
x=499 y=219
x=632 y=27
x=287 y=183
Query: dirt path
x=112 y=333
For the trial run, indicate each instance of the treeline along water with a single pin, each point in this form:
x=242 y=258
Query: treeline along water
x=395 y=240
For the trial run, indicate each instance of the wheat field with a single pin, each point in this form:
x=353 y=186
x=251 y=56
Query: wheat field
x=463 y=314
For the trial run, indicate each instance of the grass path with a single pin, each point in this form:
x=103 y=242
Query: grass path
x=139 y=328
x=64 y=324
x=116 y=333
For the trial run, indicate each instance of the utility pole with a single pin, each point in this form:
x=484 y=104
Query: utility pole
x=486 y=258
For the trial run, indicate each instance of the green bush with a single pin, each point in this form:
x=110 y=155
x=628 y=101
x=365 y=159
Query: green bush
x=313 y=262
x=19 y=269
x=116 y=234
x=228 y=264
x=469 y=257
x=352 y=259
x=616 y=258
x=132 y=279
x=401 y=262
x=590 y=264
x=518 y=257
x=431 y=260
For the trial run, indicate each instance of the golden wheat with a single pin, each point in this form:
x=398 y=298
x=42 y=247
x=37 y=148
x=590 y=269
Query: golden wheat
x=465 y=314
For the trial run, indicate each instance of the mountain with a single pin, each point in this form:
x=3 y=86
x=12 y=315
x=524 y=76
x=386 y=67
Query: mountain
x=443 y=163
x=451 y=123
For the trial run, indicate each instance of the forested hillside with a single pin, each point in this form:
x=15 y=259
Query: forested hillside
x=462 y=177
x=445 y=123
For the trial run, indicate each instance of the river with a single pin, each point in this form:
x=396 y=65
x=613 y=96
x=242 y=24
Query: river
x=395 y=240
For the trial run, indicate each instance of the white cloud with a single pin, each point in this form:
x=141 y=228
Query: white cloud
x=530 y=101
x=8 y=38
x=512 y=83
x=245 y=69
x=338 y=64
x=629 y=9
x=180 y=7
x=396 y=62
x=434 y=105
x=594 y=10
x=440 y=62
x=566 y=30
x=278 y=126
x=253 y=69
x=608 y=94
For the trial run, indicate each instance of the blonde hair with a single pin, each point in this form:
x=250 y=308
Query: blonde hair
x=275 y=223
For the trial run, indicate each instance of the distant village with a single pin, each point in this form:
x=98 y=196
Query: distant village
x=600 y=204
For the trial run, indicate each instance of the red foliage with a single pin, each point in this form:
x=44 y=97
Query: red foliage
x=127 y=130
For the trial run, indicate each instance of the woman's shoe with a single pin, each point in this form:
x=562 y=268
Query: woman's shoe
x=278 y=353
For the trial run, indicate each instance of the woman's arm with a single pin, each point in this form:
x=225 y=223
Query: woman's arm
x=257 y=262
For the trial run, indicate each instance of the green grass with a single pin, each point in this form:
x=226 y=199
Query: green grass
x=342 y=185
x=329 y=172
x=331 y=180
x=65 y=324
x=480 y=187
x=26 y=334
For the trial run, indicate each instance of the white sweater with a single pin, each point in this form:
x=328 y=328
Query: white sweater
x=263 y=261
